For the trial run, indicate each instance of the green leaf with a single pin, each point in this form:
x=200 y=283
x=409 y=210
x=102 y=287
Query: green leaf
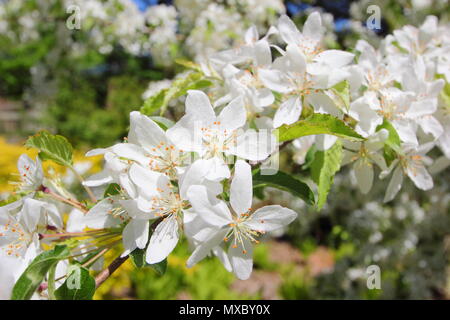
x=317 y=124
x=159 y=267
x=326 y=164
x=51 y=282
x=52 y=147
x=179 y=87
x=164 y=123
x=309 y=158
x=112 y=190
x=138 y=259
x=391 y=144
x=154 y=103
x=35 y=273
x=188 y=64
x=79 y=285
x=286 y=182
x=393 y=139
x=341 y=93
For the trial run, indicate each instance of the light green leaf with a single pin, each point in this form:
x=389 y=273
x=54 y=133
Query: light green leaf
x=35 y=273
x=79 y=285
x=179 y=87
x=188 y=64
x=341 y=95
x=324 y=167
x=391 y=144
x=286 y=182
x=317 y=124
x=154 y=103
x=52 y=147
x=393 y=139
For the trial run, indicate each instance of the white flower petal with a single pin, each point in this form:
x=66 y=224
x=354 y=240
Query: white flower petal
x=234 y=115
x=275 y=80
x=254 y=146
x=216 y=214
x=99 y=217
x=130 y=151
x=420 y=176
x=214 y=239
x=133 y=210
x=394 y=185
x=144 y=131
x=135 y=235
x=199 y=106
x=312 y=29
x=147 y=180
x=163 y=240
x=270 y=218
x=335 y=58
x=288 y=31
x=364 y=174
x=218 y=169
x=288 y=112
x=241 y=189
x=241 y=262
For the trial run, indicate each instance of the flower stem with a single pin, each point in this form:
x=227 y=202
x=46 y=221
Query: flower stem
x=71 y=202
x=88 y=190
x=91 y=261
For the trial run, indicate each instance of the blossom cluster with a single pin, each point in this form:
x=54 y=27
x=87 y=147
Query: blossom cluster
x=194 y=177
x=400 y=83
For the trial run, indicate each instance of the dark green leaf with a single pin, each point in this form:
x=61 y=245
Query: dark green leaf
x=112 y=190
x=286 y=182
x=35 y=273
x=138 y=259
x=79 y=285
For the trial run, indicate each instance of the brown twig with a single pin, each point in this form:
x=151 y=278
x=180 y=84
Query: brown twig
x=105 y=274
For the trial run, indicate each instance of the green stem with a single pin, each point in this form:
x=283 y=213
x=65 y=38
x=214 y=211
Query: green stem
x=88 y=190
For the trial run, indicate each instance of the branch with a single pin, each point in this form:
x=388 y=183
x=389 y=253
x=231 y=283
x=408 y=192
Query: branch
x=105 y=274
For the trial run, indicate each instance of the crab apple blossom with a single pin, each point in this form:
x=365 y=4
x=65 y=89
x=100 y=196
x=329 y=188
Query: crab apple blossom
x=192 y=167
x=240 y=227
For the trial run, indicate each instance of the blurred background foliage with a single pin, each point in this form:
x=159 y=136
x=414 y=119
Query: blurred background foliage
x=83 y=86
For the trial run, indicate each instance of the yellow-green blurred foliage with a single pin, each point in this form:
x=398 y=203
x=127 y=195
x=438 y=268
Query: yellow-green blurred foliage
x=10 y=153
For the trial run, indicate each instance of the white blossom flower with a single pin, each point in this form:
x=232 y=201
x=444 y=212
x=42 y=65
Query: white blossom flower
x=412 y=163
x=31 y=173
x=364 y=155
x=237 y=226
x=214 y=137
x=159 y=198
x=19 y=232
